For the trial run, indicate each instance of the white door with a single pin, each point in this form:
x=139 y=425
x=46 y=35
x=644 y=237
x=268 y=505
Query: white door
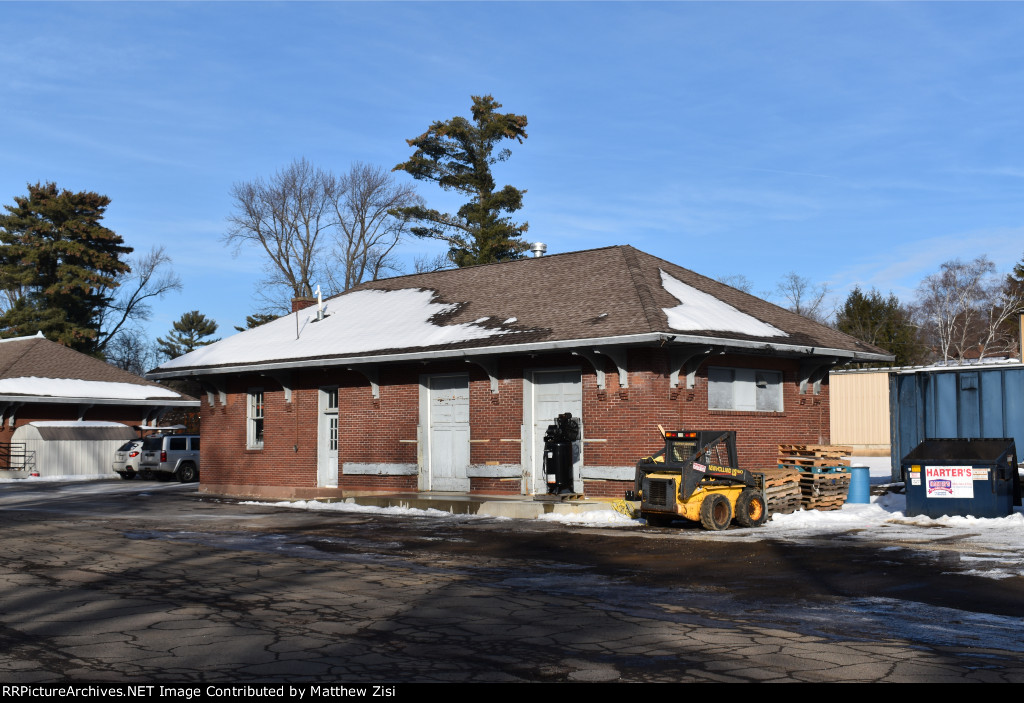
x=448 y=425
x=554 y=392
x=327 y=444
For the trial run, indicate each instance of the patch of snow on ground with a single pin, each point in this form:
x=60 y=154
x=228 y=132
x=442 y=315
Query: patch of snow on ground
x=701 y=311
x=590 y=517
x=93 y=477
x=342 y=507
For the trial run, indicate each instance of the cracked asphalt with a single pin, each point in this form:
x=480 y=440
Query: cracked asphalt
x=146 y=582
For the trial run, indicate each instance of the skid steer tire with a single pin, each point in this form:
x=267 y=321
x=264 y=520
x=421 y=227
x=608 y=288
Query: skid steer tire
x=715 y=512
x=751 y=509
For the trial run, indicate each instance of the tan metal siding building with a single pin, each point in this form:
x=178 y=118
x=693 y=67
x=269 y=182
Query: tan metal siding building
x=860 y=410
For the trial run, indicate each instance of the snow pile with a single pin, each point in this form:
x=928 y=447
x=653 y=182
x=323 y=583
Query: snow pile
x=77 y=388
x=589 y=517
x=89 y=477
x=851 y=516
x=360 y=322
x=342 y=507
x=700 y=311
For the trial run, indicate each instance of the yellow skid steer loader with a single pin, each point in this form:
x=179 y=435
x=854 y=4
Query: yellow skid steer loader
x=696 y=477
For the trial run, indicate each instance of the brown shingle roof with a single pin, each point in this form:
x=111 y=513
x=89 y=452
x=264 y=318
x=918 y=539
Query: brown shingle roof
x=615 y=293
x=602 y=293
x=37 y=357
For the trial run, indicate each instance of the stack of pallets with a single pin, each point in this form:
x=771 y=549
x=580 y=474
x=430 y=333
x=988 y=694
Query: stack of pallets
x=782 y=490
x=824 y=472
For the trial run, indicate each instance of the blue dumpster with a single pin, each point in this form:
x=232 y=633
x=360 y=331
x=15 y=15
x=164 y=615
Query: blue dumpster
x=959 y=476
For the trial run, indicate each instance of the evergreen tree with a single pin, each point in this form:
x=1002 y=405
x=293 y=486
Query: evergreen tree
x=458 y=155
x=63 y=264
x=189 y=334
x=260 y=318
x=883 y=322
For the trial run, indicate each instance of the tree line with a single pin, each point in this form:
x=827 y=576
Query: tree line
x=966 y=310
x=64 y=273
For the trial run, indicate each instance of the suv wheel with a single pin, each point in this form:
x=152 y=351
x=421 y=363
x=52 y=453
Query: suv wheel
x=187 y=473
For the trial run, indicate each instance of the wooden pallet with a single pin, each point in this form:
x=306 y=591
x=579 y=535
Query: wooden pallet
x=802 y=464
x=822 y=451
x=782 y=490
x=824 y=502
x=784 y=499
x=824 y=491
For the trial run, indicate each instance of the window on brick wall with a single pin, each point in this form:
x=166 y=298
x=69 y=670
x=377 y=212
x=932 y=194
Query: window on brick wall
x=254 y=419
x=744 y=389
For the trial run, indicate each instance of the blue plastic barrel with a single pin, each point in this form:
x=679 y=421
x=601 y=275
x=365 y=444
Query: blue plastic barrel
x=860 y=485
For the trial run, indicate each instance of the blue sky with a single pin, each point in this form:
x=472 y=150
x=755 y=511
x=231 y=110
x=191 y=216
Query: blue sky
x=853 y=143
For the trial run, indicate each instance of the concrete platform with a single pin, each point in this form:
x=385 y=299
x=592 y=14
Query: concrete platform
x=522 y=507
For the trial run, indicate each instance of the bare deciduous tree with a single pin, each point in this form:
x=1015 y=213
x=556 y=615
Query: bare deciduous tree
x=738 y=281
x=803 y=297
x=150 y=277
x=316 y=227
x=428 y=264
x=963 y=309
x=367 y=233
x=287 y=217
x=129 y=350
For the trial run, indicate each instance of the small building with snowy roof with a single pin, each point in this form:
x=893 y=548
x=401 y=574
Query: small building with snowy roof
x=447 y=381
x=45 y=382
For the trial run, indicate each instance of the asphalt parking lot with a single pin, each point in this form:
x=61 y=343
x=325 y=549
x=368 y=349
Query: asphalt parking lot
x=131 y=581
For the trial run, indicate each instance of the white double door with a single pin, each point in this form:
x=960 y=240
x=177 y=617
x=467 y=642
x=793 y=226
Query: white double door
x=551 y=393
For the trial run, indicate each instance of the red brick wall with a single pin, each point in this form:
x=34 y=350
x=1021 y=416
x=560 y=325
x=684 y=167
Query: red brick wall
x=628 y=418
x=370 y=430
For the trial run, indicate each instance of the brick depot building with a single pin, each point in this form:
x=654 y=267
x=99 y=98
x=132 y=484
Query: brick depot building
x=447 y=381
x=41 y=380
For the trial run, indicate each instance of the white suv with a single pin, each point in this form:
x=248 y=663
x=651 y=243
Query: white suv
x=126 y=459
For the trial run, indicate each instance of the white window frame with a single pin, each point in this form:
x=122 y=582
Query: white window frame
x=255 y=408
x=743 y=390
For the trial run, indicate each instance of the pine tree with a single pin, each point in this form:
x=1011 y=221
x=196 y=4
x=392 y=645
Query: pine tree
x=189 y=334
x=458 y=155
x=260 y=318
x=61 y=262
x=883 y=322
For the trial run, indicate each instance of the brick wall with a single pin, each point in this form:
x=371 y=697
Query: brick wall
x=371 y=430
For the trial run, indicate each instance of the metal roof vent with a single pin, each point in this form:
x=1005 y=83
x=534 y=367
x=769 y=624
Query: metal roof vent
x=538 y=249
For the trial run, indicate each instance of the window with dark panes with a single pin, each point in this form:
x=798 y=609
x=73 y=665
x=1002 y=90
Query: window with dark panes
x=744 y=389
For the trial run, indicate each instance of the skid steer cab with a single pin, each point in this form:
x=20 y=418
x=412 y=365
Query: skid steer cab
x=696 y=477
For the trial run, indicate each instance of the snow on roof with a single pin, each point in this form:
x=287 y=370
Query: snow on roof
x=77 y=388
x=358 y=322
x=64 y=430
x=76 y=423
x=37 y=335
x=699 y=311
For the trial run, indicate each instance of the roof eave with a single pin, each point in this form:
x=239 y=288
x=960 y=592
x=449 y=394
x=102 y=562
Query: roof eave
x=558 y=345
x=66 y=400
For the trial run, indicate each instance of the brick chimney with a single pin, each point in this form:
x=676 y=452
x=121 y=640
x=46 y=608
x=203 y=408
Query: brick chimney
x=302 y=302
